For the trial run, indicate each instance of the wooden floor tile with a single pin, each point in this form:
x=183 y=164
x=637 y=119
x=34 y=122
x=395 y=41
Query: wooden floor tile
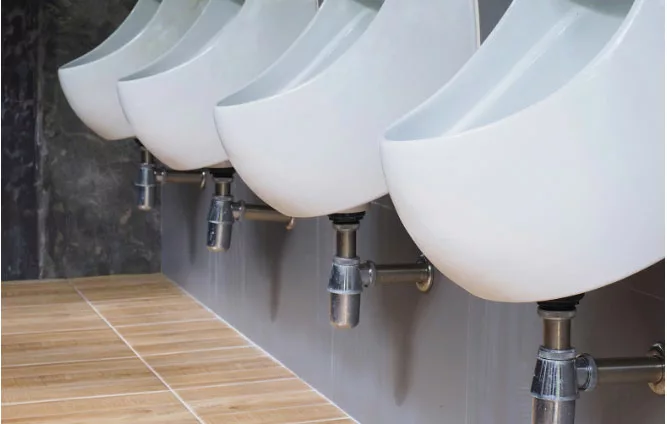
x=55 y=317
x=214 y=367
x=126 y=287
x=152 y=408
x=77 y=379
x=152 y=311
x=33 y=294
x=293 y=415
x=63 y=346
x=247 y=397
x=155 y=339
x=62 y=364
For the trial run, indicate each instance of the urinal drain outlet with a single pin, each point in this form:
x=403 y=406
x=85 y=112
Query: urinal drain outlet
x=350 y=276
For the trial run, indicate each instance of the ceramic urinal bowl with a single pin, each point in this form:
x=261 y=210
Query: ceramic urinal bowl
x=89 y=82
x=538 y=171
x=170 y=105
x=306 y=139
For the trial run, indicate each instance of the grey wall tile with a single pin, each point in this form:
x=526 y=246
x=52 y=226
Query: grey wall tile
x=414 y=358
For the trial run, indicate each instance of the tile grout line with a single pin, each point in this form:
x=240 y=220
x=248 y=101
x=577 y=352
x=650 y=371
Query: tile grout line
x=324 y=420
x=285 y=408
x=81 y=398
x=51 y=331
x=212 y=349
x=237 y=383
x=145 y=324
x=132 y=355
x=257 y=346
x=155 y=373
x=74 y=361
x=104 y=302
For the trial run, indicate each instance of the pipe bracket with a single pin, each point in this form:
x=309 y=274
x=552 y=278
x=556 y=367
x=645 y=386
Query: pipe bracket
x=658 y=351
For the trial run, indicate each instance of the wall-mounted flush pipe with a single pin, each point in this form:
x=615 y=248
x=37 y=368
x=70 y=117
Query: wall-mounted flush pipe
x=150 y=175
x=560 y=374
x=224 y=212
x=349 y=276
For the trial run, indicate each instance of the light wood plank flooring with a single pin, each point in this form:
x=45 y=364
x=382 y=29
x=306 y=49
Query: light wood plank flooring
x=137 y=349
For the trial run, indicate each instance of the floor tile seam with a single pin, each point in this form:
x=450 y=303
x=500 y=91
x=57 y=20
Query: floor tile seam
x=146 y=364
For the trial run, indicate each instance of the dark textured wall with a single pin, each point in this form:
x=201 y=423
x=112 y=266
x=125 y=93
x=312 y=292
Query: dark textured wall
x=68 y=196
x=19 y=158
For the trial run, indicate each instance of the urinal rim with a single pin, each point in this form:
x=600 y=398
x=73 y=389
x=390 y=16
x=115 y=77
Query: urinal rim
x=605 y=52
x=225 y=101
x=222 y=105
x=111 y=55
x=204 y=51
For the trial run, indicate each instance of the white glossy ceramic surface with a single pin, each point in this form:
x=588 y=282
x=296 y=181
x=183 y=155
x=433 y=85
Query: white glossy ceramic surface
x=308 y=143
x=170 y=106
x=537 y=172
x=89 y=83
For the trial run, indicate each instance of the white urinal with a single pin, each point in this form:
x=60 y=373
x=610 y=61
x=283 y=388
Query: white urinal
x=306 y=138
x=89 y=83
x=537 y=172
x=170 y=105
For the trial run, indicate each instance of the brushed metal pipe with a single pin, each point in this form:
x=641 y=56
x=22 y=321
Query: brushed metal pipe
x=629 y=370
x=223 y=186
x=346 y=240
x=344 y=310
x=591 y=372
x=556 y=334
x=262 y=213
x=556 y=328
x=401 y=273
x=554 y=386
x=146 y=156
x=553 y=412
x=169 y=176
x=345 y=283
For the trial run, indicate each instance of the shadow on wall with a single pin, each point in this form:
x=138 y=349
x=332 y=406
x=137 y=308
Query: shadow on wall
x=401 y=305
x=272 y=238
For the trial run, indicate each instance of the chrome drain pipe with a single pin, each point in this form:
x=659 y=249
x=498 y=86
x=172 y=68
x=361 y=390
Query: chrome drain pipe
x=560 y=374
x=224 y=212
x=150 y=175
x=349 y=276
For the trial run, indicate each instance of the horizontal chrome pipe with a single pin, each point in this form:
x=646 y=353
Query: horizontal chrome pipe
x=400 y=273
x=592 y=372
x=265 y=213
x=181 y=177
x=629 y=370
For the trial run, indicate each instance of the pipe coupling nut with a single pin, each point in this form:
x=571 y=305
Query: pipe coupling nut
x=587 y=372
x=555 y=377
x=345 y=276
x=221 y=210
x=146 y=177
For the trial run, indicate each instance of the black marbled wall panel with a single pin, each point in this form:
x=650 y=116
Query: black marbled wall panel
x=19 y=158
x=86 y=220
